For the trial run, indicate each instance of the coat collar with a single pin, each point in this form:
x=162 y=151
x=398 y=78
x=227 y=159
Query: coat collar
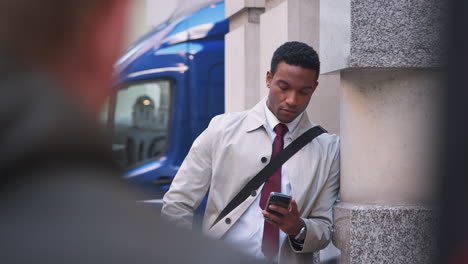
x=256 y=116
x=256 y=119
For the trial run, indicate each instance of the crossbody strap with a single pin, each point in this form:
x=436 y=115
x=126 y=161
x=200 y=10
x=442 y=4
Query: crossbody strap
x=270 y=168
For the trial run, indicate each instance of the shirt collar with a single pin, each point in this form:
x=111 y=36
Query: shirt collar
x=272 y=121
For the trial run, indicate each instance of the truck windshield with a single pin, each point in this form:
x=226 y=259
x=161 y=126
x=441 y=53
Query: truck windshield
x=141 y=121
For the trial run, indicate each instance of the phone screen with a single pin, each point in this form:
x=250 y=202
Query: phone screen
x=279 y=199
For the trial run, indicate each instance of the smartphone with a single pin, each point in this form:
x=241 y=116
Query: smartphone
x=279 y=199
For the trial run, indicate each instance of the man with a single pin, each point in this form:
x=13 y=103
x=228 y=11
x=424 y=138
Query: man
x=236 y=146
x=61 y=197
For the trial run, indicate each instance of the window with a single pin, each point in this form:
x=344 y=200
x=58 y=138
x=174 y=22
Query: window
x=141 y=121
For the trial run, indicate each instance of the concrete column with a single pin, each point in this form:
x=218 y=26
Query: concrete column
x=241 y=54
x=137 y=24
x=389 y=55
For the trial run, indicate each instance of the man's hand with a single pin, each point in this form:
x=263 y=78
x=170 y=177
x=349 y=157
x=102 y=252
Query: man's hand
x=290 y=222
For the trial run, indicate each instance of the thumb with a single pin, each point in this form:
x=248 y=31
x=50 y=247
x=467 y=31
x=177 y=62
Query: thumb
x=293 y=206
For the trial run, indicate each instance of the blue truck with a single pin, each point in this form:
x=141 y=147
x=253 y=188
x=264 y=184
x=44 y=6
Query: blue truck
x=169 y=84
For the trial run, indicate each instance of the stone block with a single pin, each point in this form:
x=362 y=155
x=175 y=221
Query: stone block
x=382 y=33
x=385 y=234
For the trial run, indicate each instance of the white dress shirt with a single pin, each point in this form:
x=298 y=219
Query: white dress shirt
x=247 y=233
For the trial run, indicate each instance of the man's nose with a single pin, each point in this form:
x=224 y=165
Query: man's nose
x=291 y=99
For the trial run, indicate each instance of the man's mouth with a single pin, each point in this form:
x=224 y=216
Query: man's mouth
x=289 y=111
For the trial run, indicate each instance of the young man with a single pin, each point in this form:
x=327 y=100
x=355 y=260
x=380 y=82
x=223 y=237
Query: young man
x=236 y=146
x=61 y=197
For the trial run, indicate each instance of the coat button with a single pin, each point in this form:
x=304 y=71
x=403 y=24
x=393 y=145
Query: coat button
x=253 y=193
x=264 y=159
x=228 y=221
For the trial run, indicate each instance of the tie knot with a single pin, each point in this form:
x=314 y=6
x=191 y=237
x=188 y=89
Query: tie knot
x=281 y=129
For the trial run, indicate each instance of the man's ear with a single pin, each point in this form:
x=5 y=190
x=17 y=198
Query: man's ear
x=315 y=87
x=269 y=77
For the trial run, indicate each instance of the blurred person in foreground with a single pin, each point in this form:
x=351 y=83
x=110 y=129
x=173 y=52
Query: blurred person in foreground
x=61 y=197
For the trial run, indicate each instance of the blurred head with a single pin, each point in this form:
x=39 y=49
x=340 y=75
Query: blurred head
x=292 y=80
x=76 y=42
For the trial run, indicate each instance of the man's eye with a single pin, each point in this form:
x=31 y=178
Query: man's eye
x=282 y=87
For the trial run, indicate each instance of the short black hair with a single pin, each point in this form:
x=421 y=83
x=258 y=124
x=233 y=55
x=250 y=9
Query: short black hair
x=296 y=53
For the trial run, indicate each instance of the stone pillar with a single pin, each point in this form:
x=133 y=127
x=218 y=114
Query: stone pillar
x=138 y=23
x=241 y=54
x=389 y=55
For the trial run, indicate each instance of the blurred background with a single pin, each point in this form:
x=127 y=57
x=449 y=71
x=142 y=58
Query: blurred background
x=147 y=14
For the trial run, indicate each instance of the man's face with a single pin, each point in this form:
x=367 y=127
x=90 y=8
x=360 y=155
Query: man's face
x=290 y=90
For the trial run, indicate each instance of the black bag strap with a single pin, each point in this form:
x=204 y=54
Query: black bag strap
x=270 y=168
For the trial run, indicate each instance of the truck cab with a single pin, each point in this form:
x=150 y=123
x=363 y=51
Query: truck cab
x=169 y=85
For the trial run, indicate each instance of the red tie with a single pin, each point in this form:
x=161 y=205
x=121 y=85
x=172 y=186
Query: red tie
x=270 y=242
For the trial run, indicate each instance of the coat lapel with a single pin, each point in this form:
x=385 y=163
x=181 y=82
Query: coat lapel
x=304 y=125
x=299 y=169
